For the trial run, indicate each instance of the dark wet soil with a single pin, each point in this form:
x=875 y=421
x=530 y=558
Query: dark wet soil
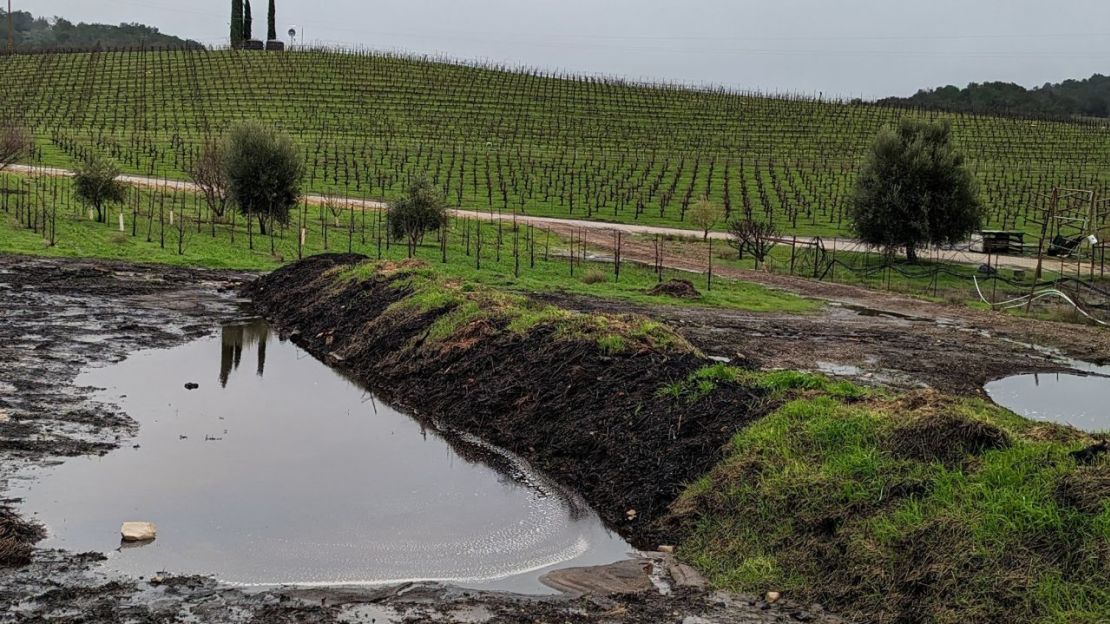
x=60 y=316
x=584 y=418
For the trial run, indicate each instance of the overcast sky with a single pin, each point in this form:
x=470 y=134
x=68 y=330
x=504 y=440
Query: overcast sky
x=868 y=48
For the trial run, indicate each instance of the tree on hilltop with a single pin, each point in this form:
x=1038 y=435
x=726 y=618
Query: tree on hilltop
x=271 y=23
x=248 y=21
x=914 y=190
x=236 y=23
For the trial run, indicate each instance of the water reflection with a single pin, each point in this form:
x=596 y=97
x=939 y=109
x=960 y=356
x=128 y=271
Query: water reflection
x=234 y=338
x=1078 y=399
x=300 y=476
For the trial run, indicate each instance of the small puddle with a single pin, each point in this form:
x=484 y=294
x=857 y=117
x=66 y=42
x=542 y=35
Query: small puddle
x=279 y=470
x=1078 y=399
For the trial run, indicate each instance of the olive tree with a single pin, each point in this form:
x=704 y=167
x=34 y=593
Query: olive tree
x=264 y=172
x=96 y=182
x=914 y=189
x=422 y=209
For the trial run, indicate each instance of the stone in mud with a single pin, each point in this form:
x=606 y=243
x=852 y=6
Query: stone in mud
x=685 y=576
x=620 y=578
x=138 y=531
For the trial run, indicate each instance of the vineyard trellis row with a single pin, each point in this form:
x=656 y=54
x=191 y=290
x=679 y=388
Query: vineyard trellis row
x=530 y=142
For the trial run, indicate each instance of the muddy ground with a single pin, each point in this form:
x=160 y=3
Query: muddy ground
x=881 y=337
x=62 y=315
x=59 y=316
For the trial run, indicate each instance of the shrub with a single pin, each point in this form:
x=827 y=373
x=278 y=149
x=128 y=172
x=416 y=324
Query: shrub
x=15 y=143
x=96 y=182
x=705 y=215
x=421 y=210
x=210 y=174
x=594 y=276
x=756 y=237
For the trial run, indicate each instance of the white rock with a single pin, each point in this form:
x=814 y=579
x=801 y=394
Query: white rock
x=666 y=548
x=138 y=531
x=4 y=417
x=772 y=597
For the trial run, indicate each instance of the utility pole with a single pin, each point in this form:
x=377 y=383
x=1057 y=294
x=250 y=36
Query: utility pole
x=11 y=29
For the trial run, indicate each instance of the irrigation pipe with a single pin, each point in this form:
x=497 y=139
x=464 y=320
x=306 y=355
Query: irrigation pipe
x=1020 y=301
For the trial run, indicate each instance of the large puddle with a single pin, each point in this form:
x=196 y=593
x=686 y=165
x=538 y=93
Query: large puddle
x=1080 y=399
x=278 y=470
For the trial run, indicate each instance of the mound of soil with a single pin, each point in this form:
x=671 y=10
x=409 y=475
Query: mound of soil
x=1087 y=489
x=677 y=288
x=946 y=438
x=590 y=420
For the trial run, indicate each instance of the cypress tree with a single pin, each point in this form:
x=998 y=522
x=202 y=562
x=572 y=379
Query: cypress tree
x=248 y=22
x=271 y=24
x=236 y=23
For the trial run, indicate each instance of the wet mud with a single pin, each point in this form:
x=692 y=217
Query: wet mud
x=61 y=316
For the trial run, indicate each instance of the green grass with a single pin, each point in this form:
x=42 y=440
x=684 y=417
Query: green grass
x=928 y=279
x=463 y=305
x=520 y=141
x=78 y=236
x=819 y=501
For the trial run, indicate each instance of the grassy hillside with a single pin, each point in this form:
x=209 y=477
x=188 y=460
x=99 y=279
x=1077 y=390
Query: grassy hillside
x=502 y=140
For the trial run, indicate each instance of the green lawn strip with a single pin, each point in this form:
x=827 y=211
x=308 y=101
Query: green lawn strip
x=155 y=240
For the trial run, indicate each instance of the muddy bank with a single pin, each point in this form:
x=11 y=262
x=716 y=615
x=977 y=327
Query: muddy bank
x=951 y=354
x=62 y=315
x=592 y=420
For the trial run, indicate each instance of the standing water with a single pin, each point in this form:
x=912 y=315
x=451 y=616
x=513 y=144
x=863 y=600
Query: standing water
x=278 y=470
x=1080 y=399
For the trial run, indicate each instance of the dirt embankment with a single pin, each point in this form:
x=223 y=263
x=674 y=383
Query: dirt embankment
x=592 y=420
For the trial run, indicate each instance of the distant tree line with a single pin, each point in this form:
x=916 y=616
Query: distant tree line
x=1071 y=98
x=38 y=33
